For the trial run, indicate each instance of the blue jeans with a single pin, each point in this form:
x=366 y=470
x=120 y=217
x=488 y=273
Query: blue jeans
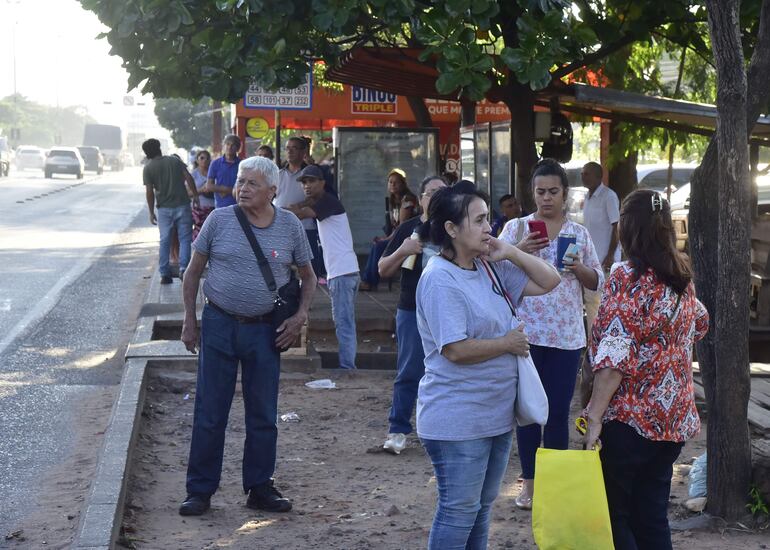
x=371 y=272
x=169 y=219
x=225 y=342
x=558 y=372
x=410 y=370
x=343 y=290
x=468 y=477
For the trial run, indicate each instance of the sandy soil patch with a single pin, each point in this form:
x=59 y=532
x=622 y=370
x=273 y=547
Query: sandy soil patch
x=347 y=494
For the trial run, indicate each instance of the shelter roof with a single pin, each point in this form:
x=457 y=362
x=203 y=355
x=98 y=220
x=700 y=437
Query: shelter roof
x=399 y=71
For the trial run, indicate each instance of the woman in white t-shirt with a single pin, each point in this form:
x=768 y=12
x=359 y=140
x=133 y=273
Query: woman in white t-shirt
x=465 y=401
x=554 y=321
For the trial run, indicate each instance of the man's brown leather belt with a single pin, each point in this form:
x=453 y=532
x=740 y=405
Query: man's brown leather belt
x=265 y=318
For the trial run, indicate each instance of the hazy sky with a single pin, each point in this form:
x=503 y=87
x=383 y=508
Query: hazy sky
x=58 y=57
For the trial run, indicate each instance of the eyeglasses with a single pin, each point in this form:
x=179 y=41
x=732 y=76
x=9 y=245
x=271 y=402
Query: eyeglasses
x=430 y=193
x=551 y=191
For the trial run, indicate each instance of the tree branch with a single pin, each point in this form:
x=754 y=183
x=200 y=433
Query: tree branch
x=601 y=53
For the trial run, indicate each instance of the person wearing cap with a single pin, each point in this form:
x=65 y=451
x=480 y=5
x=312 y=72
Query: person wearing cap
x=339 y=259
x=291 y=194
x=402 y=205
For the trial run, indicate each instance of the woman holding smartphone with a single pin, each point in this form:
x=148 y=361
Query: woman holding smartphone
x=465 y=400
x=554 y=321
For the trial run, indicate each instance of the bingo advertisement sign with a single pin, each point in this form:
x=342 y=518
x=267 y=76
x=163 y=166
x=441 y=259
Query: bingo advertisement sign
x=372 y=102
x=300 y=97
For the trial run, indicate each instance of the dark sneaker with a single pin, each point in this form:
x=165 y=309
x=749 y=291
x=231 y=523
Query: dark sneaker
x=195 y=505
x=266 y=497
x=181 y=276
x=166 y=280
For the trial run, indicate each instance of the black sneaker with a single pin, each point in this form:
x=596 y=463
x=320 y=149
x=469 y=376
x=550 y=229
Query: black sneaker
x=195 y=505
x=266 y=497
x=166 y=280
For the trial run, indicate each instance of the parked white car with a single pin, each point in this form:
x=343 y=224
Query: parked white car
x=64 y=160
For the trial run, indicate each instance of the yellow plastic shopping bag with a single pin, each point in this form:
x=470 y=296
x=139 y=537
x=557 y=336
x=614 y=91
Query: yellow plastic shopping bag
x=569 y=507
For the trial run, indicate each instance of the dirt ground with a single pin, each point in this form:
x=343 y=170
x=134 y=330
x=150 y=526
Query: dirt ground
x=347 y=493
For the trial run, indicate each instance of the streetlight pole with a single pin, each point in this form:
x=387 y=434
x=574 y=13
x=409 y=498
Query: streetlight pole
x=13 y=4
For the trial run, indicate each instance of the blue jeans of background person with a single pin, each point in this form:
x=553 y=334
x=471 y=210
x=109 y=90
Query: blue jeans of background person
x=179 y=218
x=468 y=478
x=410 y=370
x=371 y=274
x=343 y=290
x=637 y=477
x=318 y=256
x=225 y=342
x=558 y=372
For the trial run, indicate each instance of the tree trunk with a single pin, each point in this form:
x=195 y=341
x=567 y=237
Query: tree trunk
x=622 y=176
x=521 y=102
x=420 y=112
x=729 y=480
x=704 y=212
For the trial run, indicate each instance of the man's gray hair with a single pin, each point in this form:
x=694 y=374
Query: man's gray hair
x=262 y=166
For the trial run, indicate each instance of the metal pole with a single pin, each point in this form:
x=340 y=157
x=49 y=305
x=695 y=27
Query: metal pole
x=277 y=124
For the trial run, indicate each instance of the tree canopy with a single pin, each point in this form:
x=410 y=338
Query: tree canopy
x=195 y=48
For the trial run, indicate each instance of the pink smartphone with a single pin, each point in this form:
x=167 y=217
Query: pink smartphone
x=539 y=226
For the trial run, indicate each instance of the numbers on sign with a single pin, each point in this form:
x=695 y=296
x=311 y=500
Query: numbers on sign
x=301 y=101
x=270 y=100
x=302 y=90
x=284 y=100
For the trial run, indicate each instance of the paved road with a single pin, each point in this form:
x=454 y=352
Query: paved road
x=75 y=258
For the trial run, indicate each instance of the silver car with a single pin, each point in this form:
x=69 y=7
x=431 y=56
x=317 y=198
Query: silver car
x=64 y=160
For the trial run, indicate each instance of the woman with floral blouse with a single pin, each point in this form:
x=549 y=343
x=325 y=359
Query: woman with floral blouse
x=554 y=321
x=642 y=403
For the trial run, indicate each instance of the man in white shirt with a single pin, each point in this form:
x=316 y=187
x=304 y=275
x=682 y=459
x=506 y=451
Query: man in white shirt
x=340 y=259
x=601 y=212
x=290 y=193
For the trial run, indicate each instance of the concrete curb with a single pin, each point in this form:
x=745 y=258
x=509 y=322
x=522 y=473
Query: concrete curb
x=100 y=524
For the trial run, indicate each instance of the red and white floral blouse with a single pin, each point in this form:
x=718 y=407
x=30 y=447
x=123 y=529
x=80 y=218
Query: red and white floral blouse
x=655 y=396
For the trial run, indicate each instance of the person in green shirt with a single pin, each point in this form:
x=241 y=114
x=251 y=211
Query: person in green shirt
x=164 y=180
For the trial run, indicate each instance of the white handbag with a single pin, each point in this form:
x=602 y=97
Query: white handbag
x=531 y=406
x=531 y=401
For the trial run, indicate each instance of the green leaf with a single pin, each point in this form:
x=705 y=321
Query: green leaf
x=479 y=6
x=513 y=59
x=187 y=18
x=173 y=23
x=225 y=5
x=323 y=21
x=126 y=28
x=279 y=46
x=448 y=82
x=483 y=64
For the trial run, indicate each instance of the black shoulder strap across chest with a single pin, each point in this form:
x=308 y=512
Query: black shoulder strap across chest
x=267 y=273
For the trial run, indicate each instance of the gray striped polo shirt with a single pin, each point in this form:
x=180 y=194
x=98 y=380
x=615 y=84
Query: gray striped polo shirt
x=234 y=280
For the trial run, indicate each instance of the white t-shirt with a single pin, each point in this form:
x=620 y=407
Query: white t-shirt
x=290 y=192
x=335 y=235
x=600 y=211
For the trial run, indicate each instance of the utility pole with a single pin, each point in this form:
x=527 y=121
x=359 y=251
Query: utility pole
x=216 y=128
